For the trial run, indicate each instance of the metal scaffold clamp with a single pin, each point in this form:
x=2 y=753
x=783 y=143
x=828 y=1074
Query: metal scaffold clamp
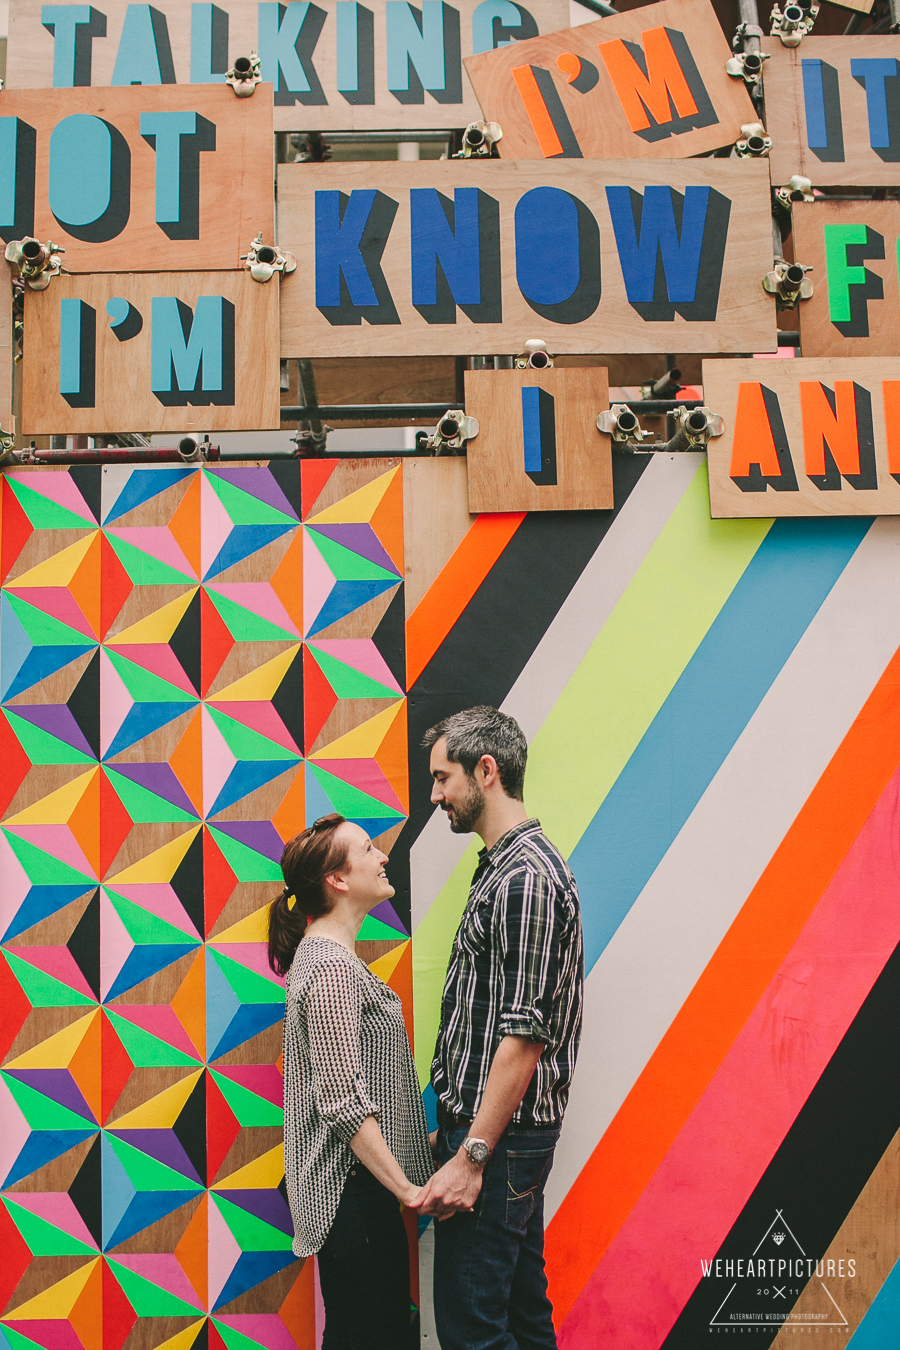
x=789 y=283
x=244 y=75
x=37 y=263
x=451 y=433
x=264 y=260
x=479 y=139
x=534 y=357
x=753 y=142
x=747 y=66
x=792 y=25
x=620 y=423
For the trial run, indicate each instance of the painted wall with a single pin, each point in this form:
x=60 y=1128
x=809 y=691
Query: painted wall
x=189 y=673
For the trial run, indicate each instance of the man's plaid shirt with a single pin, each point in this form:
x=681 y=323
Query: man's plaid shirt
x=516 y=969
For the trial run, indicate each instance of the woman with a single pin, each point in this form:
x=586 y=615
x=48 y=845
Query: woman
x=354 y=1127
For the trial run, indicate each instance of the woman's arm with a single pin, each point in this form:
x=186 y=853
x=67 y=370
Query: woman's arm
x=370 y=1147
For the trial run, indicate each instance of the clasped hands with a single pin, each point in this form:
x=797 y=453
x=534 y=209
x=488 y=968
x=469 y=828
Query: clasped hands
x=453 y=1189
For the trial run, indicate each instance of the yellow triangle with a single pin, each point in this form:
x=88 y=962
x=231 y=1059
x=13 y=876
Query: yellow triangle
x=161 y=1111
x=364 y=741
x=158 y=626
x=255 y=928
x=385 y=966
x=159 y=866
x=262 y=1174
x=55 y=1303
x=56 y=808
x=60 y=569
x=57 y=1051
x=360 y=506
x=185 y=1339
x=261 y=683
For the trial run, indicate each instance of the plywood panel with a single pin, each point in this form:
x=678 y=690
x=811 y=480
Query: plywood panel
x=535 y=229
x=436 y=519
x=583 y=92
x=841 y=127
x=805 y=437
x=189 y=198
x=380 y=93
x=855 y=306
x=6 y=351
x=540 y=450
x=235 y=380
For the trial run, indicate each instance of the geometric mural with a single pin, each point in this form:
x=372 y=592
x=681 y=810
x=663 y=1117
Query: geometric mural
x=196 y=662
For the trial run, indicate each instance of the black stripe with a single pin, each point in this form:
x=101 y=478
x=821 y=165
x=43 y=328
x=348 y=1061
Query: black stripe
x=488 y=647
x=825 y=1160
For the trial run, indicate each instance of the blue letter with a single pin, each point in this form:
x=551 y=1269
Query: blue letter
x=355 y=52
x=449 y=243
x=423 y=51
x=287 y=39
x=499 y=23
x=73 y=28
x=144 y=55
x=178 y=138
x=89 y=189
x=17 y=154
x=351 y=235
x=77 y=352
x=539 y=435
x=557 y=255
x=873 y=74
x=192 y=354
x=209 y=44
x=822 y=100
x=647 y=232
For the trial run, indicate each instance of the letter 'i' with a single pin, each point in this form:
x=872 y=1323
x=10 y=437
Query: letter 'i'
x=539 y=435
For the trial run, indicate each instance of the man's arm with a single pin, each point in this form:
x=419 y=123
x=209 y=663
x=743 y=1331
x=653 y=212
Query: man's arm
x=456 y=1185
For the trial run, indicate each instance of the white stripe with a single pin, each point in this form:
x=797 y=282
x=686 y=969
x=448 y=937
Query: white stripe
x=671 y=932
x=565 y=644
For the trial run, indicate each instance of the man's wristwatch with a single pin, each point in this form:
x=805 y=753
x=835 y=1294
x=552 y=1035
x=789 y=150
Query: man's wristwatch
x=478 y=1151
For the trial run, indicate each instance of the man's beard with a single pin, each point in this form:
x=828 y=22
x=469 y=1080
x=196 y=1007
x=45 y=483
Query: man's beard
x=467 y=813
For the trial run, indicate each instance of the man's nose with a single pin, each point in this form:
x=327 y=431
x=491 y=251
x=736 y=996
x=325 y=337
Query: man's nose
x=436 y=793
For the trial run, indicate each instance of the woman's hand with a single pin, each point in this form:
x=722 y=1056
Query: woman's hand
x=411 y=1197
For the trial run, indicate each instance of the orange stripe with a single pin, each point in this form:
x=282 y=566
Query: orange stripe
x=536 y=108
x=453 y=588
x=722 y=1000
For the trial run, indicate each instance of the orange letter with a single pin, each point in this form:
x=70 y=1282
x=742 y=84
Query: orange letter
x=891 y=393
x=834 y=427
x=639 y=93
x=760 y=454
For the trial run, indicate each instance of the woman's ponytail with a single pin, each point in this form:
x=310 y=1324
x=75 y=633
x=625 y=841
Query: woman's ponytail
x=307 y=860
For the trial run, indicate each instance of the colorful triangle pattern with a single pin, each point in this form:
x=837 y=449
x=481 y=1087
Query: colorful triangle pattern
x=193 y=666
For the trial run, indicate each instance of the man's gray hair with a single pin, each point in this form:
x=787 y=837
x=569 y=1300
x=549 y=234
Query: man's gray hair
x=485 y=731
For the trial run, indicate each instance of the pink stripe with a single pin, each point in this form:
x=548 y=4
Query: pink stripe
x=215 y=524
x=159 y=659
x=159 y=898
x=58 y=962
x=253 y=955
x=115 y=702
x=55 y=1207
x=161 y=1269
x=60 y=488
x=263 y=1079
x=155 y=540
x=52 y=1334
x=259 y=598
x=160 y=1021
x=258 y=716
x=264 y=1328
x=57 y=840
x=59 y=603
x=366 y=775
x=362 y=655
x=652 y=1267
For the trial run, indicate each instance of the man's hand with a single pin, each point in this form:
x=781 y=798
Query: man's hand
x=432 y=1144
x=452 y=1190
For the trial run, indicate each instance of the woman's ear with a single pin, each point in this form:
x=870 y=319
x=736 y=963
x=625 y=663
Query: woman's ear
x=336 y=882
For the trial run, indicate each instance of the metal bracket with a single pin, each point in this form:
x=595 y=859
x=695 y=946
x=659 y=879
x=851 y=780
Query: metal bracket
x=264 y=260
x=244 y=75
x=620 y=423
x=799 y=189
x=789 y=283
x=792 y=25
x=479 y=138
x=451 y=433
x=534 y=357
x=747 y=66
x=696 y=426
x=37 y=263
x=753 y=142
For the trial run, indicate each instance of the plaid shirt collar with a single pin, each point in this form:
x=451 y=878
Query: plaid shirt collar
x=495 y=855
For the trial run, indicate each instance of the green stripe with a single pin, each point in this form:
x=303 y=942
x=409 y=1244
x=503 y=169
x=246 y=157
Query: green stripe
x=592 y=731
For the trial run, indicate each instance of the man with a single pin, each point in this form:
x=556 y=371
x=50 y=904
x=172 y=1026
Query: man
x=510 y=1024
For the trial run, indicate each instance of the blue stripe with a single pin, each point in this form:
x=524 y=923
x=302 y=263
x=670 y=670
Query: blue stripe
x=880 y=1328
x=752 y=637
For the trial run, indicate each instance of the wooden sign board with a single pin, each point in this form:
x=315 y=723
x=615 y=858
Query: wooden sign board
x=335 y=66
x=833 y=110
x=138 y=179
x=854 y=309
x=150 y=352
x=538 y=447
x=459 y=256
x=651 y=82
x=805 y=437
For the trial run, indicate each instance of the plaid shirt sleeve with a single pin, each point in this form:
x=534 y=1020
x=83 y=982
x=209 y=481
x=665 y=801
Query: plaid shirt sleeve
x=529 y=955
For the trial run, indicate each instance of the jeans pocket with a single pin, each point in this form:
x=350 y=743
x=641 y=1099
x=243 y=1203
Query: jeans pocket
x=526 y=1175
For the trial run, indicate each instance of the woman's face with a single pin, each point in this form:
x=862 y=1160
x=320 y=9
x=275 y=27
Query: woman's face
x=364 y=870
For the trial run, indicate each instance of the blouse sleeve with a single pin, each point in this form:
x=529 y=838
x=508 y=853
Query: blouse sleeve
x=333 y=1011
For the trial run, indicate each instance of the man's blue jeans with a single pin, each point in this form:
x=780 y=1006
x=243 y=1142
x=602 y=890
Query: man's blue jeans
x=490 y=1290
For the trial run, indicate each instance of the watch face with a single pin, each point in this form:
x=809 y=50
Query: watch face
x=477 y=1150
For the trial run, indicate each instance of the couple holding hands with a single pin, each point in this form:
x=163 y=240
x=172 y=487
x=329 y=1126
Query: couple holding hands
x=356 y=1142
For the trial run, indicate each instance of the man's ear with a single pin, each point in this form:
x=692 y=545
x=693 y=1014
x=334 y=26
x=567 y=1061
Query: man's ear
x=490 y=772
